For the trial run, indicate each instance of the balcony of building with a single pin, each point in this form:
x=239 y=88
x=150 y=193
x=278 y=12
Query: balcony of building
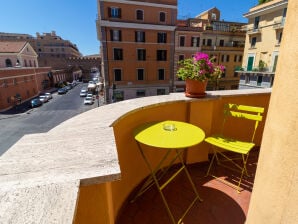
x=87 y=169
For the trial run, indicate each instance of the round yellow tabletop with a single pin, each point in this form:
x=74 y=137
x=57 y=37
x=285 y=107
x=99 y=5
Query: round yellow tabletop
x=169 y=134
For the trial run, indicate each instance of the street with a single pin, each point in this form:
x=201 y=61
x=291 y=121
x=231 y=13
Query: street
x=44 y=118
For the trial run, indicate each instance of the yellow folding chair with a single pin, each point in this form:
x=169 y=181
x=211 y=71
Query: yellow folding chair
x=224 y=148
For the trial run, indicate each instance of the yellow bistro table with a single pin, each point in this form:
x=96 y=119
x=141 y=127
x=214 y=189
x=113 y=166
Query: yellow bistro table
x=168 y=136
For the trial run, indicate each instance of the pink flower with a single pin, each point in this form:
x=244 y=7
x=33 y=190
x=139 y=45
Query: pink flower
x=201 y=56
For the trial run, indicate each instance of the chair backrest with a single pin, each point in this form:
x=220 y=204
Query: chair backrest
x=244 y=112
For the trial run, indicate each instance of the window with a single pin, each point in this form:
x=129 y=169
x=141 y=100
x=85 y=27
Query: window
x=221 y=43
x=209 y=42
x=181 y=57
x=140 y=14
x=115 y=35
x=161 y=74
x=256 y=23
x=141 y=54
x=181 y=41
x=253 y=42
x=161 y=55
x=8 y=63
x=140 y=74
x=195 y=41
x=162 y=17
x=140 y=36
x=25 y=62
x=161 y=37
x=140 y=93
x=114 y=12
x=213 y=16
x=117 y=74
x=235 y=58
x=227 y=58
x=118 y=54
x=161 y=92
x=240 y=58
x=279 y=38
x=204 y=42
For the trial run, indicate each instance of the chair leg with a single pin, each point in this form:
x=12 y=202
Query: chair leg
x=211 y=163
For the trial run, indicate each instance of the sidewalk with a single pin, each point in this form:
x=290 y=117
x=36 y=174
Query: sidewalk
x=22 y=108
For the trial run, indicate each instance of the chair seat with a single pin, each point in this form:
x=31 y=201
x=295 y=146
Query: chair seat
x=230 y=144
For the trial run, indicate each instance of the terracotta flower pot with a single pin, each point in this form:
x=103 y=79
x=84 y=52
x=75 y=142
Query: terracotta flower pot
x=195 y=88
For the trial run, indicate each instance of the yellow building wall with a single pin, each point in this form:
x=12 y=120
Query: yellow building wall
x=267 y=39
x=275 y=192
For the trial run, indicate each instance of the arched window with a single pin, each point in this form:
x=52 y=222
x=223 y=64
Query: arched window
x=8 y=63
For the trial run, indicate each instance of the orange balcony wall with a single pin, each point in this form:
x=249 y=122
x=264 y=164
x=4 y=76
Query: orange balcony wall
x=205 y=113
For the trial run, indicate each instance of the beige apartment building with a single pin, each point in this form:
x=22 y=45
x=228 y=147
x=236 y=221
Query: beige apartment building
x=220 y=39
x=52 y=50
x=137 y=47
x=17 y=54
x=263 y=39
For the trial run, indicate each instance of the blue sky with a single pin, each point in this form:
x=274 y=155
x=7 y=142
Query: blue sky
x=75 y=20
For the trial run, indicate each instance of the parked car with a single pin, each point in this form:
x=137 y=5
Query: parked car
x=83 y=92
x=35 y=103
x=62 y=90
x=43 y=98
x=88 y=100
x=68 y=87
x=49 y=95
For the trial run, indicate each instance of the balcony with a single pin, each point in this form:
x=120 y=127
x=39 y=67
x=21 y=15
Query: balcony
x=70 y=176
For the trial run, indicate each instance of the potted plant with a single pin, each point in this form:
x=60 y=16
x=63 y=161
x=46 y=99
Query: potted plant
x=197 y=71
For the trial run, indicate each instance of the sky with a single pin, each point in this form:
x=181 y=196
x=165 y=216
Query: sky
x=76 y=20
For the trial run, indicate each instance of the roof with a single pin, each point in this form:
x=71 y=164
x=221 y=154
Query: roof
x=11 y=46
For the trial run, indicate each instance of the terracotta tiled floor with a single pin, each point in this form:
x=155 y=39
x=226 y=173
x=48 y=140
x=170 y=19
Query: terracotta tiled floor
x=221 y=203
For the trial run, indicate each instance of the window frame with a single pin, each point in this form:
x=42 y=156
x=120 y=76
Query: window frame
x=141 y=15
x=118 y=54
x=116 y=75
x=140 y=72
x=161 y=55
x=162 y=37
x=141 y=56
x=140 y=36
x=162 y=17
x=161 y=74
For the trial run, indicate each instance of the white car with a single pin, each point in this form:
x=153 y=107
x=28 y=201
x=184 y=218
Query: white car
x=83 y=92
x=43 y=98
x=88 y=100
x=49 y=95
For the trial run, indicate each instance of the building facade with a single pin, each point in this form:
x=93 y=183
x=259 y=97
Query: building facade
x=263 y=40
x=17 y=54
x=137 y=47
x=52 y=50
x=220 y=39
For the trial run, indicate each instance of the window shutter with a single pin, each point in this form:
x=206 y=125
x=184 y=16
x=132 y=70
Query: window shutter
x=120 y=35
x=119 y=13
x=109 y=12
x=112 y=35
